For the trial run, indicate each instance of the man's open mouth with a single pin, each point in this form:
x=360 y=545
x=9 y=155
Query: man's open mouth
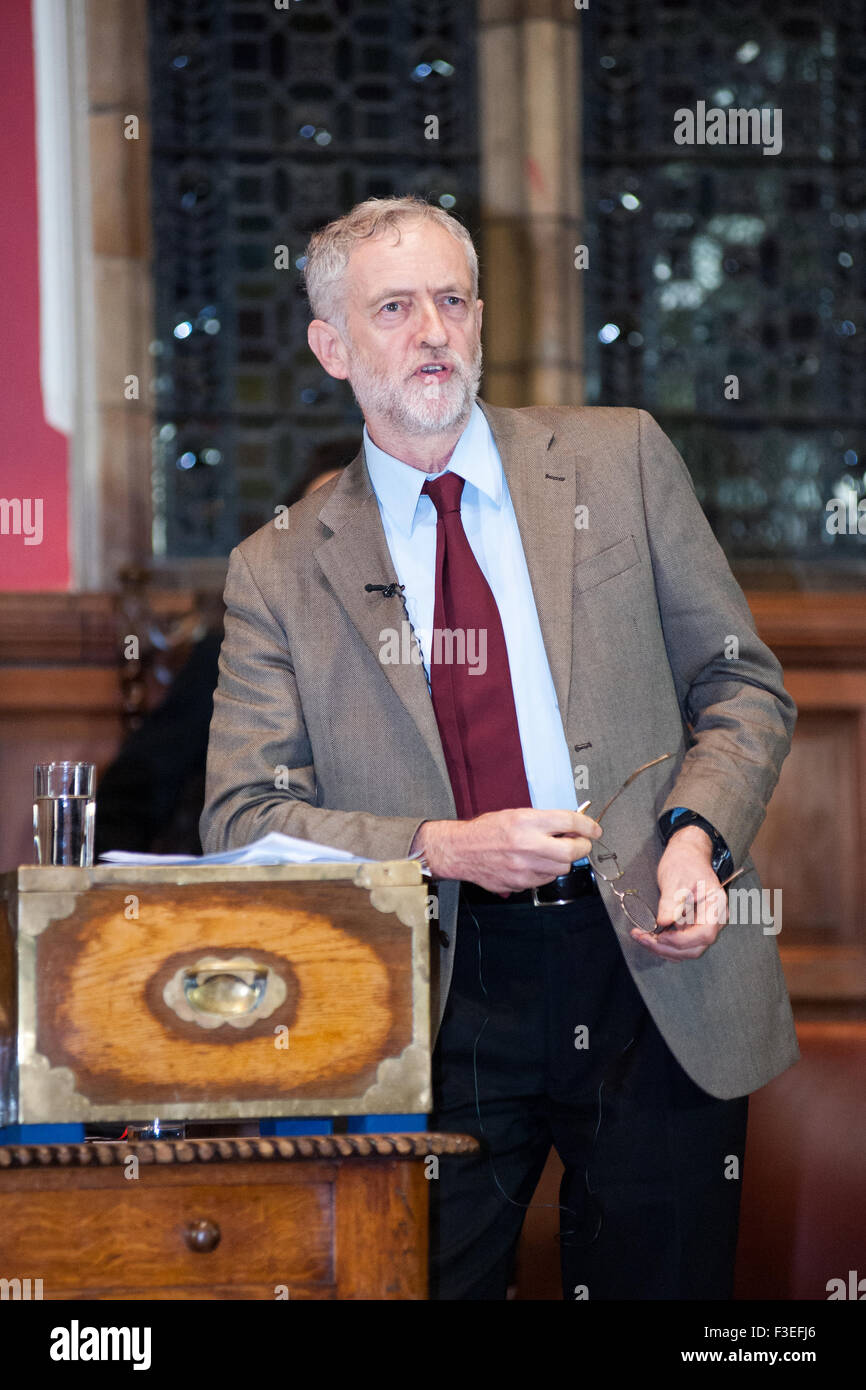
x=435 y=370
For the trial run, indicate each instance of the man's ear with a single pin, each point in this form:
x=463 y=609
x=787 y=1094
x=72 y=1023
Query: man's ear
x=479 y=305
x=329 y=348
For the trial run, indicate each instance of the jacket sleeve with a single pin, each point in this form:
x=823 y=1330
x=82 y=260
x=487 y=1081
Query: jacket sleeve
x=260 y=771
x=728 y=682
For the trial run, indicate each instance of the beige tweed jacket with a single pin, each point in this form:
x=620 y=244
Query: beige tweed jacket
x=637 y=607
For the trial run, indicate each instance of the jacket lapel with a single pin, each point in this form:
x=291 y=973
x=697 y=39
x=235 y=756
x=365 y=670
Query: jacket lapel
x=542 y=487
x=357 y=554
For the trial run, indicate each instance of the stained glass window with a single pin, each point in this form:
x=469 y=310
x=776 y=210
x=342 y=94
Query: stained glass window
x=266 y=123
x=712 y=261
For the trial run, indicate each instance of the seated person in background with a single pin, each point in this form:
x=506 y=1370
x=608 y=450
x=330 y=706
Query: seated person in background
x=150 y=799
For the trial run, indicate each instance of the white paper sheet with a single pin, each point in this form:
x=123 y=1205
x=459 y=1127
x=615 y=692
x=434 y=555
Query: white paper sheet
x=274 y=848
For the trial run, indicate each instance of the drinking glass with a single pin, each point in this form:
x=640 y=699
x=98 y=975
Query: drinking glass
x=64 y=813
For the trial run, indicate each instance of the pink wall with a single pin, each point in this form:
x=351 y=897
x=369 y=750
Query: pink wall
x=33 y=457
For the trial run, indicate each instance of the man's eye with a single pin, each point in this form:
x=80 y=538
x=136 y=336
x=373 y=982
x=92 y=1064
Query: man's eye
x=392 y=304
x=454 y=299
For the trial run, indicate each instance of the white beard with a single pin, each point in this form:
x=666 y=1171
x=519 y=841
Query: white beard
x=418 y=405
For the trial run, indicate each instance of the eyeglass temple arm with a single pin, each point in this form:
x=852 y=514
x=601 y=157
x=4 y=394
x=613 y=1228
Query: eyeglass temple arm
x=628 y=781
x=731 y=877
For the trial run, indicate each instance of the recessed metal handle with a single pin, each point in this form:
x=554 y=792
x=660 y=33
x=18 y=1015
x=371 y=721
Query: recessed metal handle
x=227 y=993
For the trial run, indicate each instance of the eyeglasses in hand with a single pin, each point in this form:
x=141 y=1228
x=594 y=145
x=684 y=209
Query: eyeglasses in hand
x=606 y=866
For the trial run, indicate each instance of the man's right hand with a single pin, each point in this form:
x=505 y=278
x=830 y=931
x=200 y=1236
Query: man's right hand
x=506 y=851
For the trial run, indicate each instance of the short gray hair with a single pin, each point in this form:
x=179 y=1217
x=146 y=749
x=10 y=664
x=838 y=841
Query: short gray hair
x=329 y=249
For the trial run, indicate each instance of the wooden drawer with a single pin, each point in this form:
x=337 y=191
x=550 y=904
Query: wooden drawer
x=309 y=1217
x=266 y=1235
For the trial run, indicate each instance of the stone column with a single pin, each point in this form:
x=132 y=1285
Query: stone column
x=118 y=107
x=529 y=76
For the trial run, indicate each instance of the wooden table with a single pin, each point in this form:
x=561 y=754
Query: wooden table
x=314 y=1216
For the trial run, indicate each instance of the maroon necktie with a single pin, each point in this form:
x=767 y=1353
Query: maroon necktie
x=475 y=712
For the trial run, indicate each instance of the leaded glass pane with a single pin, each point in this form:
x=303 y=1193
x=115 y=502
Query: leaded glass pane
x=709 y=261
x=267 y=123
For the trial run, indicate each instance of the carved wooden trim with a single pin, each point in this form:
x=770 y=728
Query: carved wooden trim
x=111 y=1153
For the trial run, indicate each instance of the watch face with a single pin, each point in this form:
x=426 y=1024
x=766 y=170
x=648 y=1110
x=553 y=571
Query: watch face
x=723 y=862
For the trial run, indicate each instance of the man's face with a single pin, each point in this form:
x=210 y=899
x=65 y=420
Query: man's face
x=413 y=332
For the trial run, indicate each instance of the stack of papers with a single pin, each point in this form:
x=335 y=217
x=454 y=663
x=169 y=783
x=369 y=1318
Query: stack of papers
x=271 y=849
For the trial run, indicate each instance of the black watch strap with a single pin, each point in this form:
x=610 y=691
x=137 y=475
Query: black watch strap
x=680 y=816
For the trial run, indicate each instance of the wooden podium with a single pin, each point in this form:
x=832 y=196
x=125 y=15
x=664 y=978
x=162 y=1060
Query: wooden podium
x=313 y=1217
x=216 y=994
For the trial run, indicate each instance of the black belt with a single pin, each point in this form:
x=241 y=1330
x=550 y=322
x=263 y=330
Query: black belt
x=567 y=888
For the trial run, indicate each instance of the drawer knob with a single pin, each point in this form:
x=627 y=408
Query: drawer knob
x=202 y=1236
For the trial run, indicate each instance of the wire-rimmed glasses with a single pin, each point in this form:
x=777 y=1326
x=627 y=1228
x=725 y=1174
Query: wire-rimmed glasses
x=606 y=866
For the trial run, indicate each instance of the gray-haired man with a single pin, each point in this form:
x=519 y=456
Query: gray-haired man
x=559 y=1021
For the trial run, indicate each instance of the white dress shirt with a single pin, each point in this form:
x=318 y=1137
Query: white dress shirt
x=486 y=510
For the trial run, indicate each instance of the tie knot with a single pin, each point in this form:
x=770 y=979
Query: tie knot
x=445 y=492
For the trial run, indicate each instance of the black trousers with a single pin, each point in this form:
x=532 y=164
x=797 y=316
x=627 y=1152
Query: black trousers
x=546 y=1041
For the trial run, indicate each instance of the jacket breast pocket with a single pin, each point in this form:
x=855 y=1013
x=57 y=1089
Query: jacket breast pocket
x=607 y=564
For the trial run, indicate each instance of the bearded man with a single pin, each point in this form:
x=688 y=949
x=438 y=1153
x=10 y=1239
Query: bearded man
x=573 y=616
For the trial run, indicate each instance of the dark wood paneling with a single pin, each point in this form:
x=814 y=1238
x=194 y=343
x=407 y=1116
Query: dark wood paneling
x=63 y=712
x=60 y=691
x=813 y=630
x=51 y=629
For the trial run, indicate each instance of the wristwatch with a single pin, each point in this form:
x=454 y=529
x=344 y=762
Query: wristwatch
x=680 y=816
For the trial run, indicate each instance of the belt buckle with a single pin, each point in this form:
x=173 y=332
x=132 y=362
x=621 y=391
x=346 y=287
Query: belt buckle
x=553 y=902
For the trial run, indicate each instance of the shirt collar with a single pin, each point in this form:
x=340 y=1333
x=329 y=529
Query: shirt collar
x=398 y=485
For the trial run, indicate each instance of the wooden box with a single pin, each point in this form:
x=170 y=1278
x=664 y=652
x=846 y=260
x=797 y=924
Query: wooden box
x=213 y=993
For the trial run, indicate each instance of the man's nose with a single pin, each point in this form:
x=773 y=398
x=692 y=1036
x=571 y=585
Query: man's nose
x=431 y=326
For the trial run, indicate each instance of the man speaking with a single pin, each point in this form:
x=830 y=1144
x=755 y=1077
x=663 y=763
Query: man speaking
x=575 y=636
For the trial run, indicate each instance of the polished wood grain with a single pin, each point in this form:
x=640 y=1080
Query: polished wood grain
x=345 y=1219
x=381 y=1230
x=810 y=845
x=101 y=1011
x=274 y=1234
x=136 y=998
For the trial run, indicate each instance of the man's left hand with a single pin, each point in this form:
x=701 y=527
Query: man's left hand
x=693 y=905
